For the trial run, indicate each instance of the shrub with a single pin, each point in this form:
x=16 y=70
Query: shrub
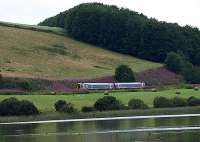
x=28 y=108
x=193 y=101
x=137 y=104
x=1 y=77
x=69 y=108
x=173 y=62
x=190 y=73
x=59 y=105
x=63 y=106
x=161 y=102
x=12 y=106
x=179 y=102
x=25 y=85
x=87 y=109
x=108 y=103
x=124 y=73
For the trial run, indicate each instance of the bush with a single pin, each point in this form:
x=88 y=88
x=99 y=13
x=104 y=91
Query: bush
x=25 y=85
x=193 y=101
x=12 y=106
x=1 y=77
x=108 y=103
x=190 y=73
x=63 y=106
x=87 y=109
x=124 y=73
x=179 y=102
x=59 y=105
x=28 y=108
x=69 y=108
x=161 y=102
x=137 y=104
x=173 y=62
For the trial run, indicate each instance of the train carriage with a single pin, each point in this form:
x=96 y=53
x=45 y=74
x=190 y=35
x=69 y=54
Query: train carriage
x=111 y=86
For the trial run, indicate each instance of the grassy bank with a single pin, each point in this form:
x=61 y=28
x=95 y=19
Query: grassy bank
x=27 y=53
x=45 y=103
x=121 y=113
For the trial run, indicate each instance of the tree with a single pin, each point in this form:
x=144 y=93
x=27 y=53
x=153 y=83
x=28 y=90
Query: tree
x=12 y=106
x=63 y=106
x=28 y=108
x=108 y=103
x=137 y=104
x=191 y=74
x=174 y=62
x=124 y=73
x=128 y=32
x=59 y=105
x=162 y=102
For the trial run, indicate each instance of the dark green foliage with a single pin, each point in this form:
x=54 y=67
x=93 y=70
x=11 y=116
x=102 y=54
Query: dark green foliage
x=28 y=108
x=174 y=62
x=193 y=101
x=1 y=77
x=162 y=102
x=63 y=106
x=137 y=104
x=190 y=73
x=124 y=73
x=108 y=103
x=179 y=102
x=69 y=108
x=128 y=32
x=59 y=105
x=12 y=106
x=25 y=86
x=179 y=64
x=87 y=109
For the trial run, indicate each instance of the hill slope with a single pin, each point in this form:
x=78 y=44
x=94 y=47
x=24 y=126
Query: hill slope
x=34 y=54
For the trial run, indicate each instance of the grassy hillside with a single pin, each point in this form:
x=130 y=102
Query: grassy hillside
x=32 y=53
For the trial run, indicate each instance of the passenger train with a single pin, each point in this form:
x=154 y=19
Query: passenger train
x=111 y=86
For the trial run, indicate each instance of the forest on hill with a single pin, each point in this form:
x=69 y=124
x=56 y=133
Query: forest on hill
x=128 y=32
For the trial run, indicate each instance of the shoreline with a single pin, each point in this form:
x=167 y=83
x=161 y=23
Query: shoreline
x=121 y=114
x=103 y=119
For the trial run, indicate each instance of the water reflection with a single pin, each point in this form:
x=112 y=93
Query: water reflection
x=103 y=131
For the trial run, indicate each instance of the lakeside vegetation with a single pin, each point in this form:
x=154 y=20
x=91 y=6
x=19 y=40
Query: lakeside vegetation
x=45 y=103
x=118 y=113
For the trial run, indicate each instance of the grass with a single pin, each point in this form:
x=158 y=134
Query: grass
x=31 y=52
x=120 y=113
x=45 y=103
x=55 y=30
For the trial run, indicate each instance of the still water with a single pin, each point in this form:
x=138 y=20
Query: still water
x=184 y=129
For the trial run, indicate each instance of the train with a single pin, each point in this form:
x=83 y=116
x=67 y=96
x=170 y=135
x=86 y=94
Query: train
x=111 y=86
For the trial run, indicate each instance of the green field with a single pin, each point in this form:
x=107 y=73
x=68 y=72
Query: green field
x=45 y=103
x=31 y=52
